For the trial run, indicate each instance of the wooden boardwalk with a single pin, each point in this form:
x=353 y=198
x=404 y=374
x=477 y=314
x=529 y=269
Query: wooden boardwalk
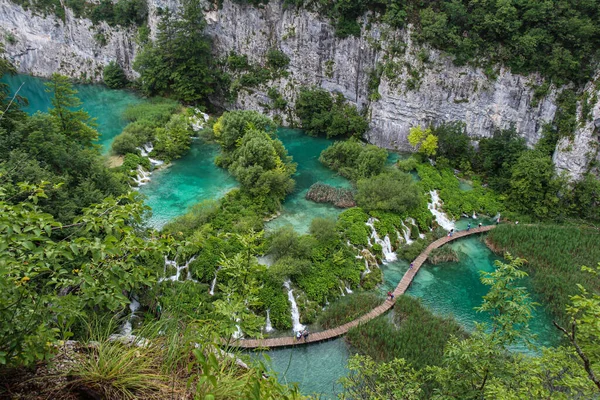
x=377 y=311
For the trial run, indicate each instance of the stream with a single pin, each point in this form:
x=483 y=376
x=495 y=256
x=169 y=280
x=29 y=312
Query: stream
x=448 y=289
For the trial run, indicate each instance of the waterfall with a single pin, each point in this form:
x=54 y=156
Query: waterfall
x=474 y=215
x=214 y=282
x=435 y=208
x=342 y=291
x=386 y=244
x=297 y=326
x=198 y=120
x=367 y=269
x=127 y=326
x=238 y=334
x=178 y=269
x=146 y=149
x=406 y=234
x=348 y=290
x=142 y=177
x=268 y=326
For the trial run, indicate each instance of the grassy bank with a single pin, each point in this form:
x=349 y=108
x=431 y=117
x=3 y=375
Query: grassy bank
x=348 y=308
x=555 y=255
x=414 y=333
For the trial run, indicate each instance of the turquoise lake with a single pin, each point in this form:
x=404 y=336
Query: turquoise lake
x=448 y=289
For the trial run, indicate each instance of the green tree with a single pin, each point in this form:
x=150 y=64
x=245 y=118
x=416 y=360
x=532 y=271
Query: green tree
x=114 y=76
x=48 y=284
x=174 y=139
x=497 y=155
x=179 y=62
x=389 y=191
x=75 y=124
x=424 y=140
x=353 y=159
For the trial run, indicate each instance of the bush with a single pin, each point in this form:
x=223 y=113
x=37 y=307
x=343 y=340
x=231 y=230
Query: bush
x=320 y=114
x=324 y=230
x=277 y=59
x=353 y=159
x=390 y=191
x=114 y=76
x=125 y=143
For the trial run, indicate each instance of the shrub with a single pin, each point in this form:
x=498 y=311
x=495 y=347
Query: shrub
x=348 y=308
x=353 y=159
x=323 y=229
x=114 y=76
x=277 y=59
x=390 y=191
x=125 y=143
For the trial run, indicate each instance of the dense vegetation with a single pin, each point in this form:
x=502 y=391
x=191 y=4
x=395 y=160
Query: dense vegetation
x=178 y=63
x=321 y=113
x=414 y=334
x=557 y=38
x=552 y=252
x=348 y=309
x=480 y=365
x=523 y=180
x=354 y=159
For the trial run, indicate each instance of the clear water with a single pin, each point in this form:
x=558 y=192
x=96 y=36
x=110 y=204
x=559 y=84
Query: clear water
x=102 y=103
x=315 y=368
x=189 y=180
x=297 y=211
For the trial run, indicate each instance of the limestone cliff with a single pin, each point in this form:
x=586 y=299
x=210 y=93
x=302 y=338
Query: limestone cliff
x=41 y=45
x=399 y=83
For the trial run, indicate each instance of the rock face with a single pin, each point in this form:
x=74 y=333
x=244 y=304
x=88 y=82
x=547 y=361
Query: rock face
x=415 y=85
x=575 y=156
x=41 y=45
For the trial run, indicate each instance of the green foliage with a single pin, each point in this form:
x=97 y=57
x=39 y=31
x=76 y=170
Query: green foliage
x=389 y=191
x=497 y=155
x=552 y=252
x=286 y=242
x=456 y=202
x=277 y=59
x=114 y=76
x=174 y=139
x=534 y=188
x=38 y=273
x=259 y=162
x=424 y=140
x=122 y=12
x=416 y=334
x=178 y=63
x=324 y=230
x=454 y=144
x=348 y=308
x=320 y=113
x=353 y=159
x=351 y=223
x=157 y=111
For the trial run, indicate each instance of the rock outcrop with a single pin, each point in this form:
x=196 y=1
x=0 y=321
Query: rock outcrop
x=41 y=45
x=399 y=83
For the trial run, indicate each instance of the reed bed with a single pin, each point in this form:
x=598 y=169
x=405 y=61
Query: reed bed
x=554 y=257
x=413 y=333
x=348 y=308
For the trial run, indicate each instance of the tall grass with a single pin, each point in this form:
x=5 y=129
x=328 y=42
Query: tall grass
x=414 y=333
x=348 y=308
x=157 y=110
x=555 y=255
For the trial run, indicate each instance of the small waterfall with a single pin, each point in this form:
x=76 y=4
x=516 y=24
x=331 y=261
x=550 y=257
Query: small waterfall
x=127 y=326
x=348 y=290
x=297 y=326
x=146 y=149
x=474 y=215
x=342 y=291
x=214 y=283
x=268 y=326
x=198 y=120
x=238 y=334
x=406 y=234
x=143 y=176
x=367 y=269
x=386 y=243
x=178 y=269
x=435 y=209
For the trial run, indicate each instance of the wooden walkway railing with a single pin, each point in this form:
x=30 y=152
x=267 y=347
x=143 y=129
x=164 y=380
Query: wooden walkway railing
x=377 y=311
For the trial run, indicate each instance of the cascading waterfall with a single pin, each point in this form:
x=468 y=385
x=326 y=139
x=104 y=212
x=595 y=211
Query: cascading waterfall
x=406 y=234
x=474 y=216
x=238 y=334
x=367 y=269
x=178 y=269
x=143 y=176
x=348 y=290
x=342 y=291
x=435 y=208
x=145 y=150
x=297 y=326
x=385 y=243
x=127 y=326
x=268 y=326
x=214 y=283
x=198 y=120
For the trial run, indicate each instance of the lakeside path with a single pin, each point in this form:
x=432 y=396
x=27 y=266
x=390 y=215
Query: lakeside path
x=377 y=311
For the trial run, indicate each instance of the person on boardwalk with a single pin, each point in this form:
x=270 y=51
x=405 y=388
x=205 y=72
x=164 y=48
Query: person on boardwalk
x=391 y=295
x=480 y=224
x=298 y=335
x=451 y=232
x=497 y=221
x=305 y=334
x=411 y=265
x=468 y=227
